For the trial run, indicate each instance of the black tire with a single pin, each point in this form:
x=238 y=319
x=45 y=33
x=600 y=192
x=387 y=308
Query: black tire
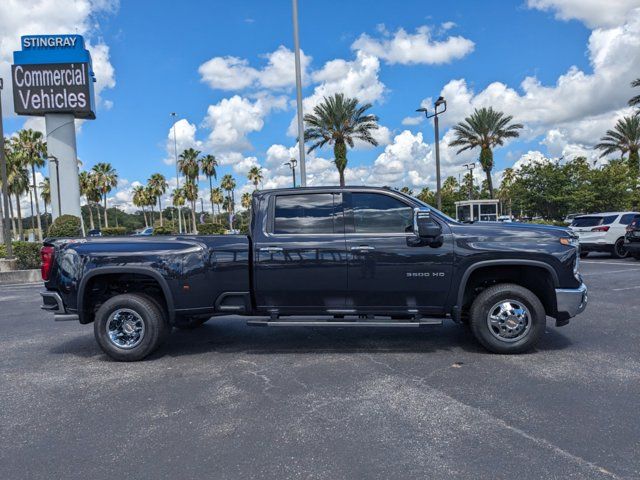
x=618 y=249
x=144 y=309
x=584 y=254
x=479 y=313
x=190 y=323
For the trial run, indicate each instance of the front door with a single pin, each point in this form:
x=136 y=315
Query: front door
x=389 y=271
x=300 y=260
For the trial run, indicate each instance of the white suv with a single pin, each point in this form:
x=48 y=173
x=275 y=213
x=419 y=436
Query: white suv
x=602 y=232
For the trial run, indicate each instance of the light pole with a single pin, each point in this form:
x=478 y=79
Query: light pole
x=296 y=48
x=175 y=151
x=441 y=102
x=470 y=167
x=54 y=160
x=8 y=234
x=292 y=165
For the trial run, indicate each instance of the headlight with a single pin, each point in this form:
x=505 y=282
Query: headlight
x=570 y=241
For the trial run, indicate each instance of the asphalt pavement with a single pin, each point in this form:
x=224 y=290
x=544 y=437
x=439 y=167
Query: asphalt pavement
x=229 y=401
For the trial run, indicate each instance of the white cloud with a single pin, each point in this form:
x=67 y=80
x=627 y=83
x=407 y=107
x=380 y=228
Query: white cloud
x=233 y=73
x=415 y=48
x=185 y=137
x=411 y=121
x=232 y=119
x=593 y=13
x=38 y=17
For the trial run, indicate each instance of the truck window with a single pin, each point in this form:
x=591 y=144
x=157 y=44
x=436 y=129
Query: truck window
x=311 y=213
x=378 y=213
x=627 y=218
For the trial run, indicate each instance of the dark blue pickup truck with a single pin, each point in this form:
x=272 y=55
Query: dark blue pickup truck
x=334 y=257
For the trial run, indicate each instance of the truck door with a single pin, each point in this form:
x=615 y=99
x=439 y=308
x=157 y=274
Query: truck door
x=388 y=270
x=300 y=256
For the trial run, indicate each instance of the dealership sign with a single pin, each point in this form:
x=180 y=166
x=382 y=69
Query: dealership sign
x=53 y=74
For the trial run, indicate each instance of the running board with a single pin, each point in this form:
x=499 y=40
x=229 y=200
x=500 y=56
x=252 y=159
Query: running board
x=332 y=323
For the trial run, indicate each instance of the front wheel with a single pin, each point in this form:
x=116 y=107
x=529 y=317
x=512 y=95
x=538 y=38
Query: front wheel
x=507 y=318
x=129 y=327
x=618 y=249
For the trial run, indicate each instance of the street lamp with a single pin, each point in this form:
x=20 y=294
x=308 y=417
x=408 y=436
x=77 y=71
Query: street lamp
x=438 y=108
x=54 y=160
x=292 y=165
x=175 y=151
x=296 y=50
x=470 y=167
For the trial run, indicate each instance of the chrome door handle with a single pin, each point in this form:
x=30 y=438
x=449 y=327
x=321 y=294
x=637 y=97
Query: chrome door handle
x=362 y=248
x=271 y=249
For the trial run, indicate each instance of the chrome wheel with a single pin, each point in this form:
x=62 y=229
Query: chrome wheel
x=509 y=321
x=125 y=328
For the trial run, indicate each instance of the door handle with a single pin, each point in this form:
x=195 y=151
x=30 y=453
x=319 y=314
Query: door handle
x=362 y=248
x=271 y=249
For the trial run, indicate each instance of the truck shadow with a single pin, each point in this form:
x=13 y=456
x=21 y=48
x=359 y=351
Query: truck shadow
x=231 y=335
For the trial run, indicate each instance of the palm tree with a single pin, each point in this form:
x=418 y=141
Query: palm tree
x=158 y=185
x=337 y=121
x=86 y=187
x=485 y=128
x=45 y=195
x=505 y=194
x=140 y=200
x=624 y=138
x=246 y=201
x=105 y=178
x=255 y=176
x=217 y=198
x=17 y=182
x=191 y=194
x=228 y=184
x=635 y=101
x=208 y=165
x=32 y=147
x=178 y=200
x=188 y=163
x=151 y=199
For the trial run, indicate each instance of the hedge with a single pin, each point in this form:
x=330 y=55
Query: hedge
x=27 y=254
x=114 y=231
x=65 y=226
x=211 y=229
x=164 y=230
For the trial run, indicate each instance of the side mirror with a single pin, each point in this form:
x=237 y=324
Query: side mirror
x=426 y=227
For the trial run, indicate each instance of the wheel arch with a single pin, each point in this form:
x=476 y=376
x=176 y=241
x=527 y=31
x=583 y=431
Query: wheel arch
x=94 y=275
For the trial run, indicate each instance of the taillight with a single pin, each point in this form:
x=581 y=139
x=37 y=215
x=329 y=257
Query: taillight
x=46 y=261
x=600 y=229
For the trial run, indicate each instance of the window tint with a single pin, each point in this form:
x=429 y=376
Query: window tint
x=378 y=213
x=586 y=222
x=627 y=218
x=312 y=213
x=608 y=220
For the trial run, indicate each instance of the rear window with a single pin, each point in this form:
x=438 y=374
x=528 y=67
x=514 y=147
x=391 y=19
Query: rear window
x=627 y=218
x=593 y=221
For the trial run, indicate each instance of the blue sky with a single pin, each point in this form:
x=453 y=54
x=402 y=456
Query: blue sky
x=561 y=67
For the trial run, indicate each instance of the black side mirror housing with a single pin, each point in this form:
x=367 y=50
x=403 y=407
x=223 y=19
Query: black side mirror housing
x=426 y=228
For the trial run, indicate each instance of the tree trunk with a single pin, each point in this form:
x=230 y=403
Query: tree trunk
x=13 y=219
x=99 y=217
x=340 y=154
x=106 y=220
x=213 y=213
x=160 y=209
x=46 y=222
x=151 y=216
x=35 y=190
x=91 y=222
x=486 y=161
x=144 y=214
x=193 y=216
x=33 y=220
x=19 y=212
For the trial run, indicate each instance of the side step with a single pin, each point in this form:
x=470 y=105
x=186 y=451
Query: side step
x=355 y=323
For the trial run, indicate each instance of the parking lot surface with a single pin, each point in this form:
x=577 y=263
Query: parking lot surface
x=232 y=401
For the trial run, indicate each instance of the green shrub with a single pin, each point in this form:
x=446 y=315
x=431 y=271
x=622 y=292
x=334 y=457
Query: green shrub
x=211 y=229
x=114 y=231
x=164 y=230
x=65 y=226
x=27 y=254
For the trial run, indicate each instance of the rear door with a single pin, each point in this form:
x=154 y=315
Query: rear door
x=388 y=271
x=300 y=258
